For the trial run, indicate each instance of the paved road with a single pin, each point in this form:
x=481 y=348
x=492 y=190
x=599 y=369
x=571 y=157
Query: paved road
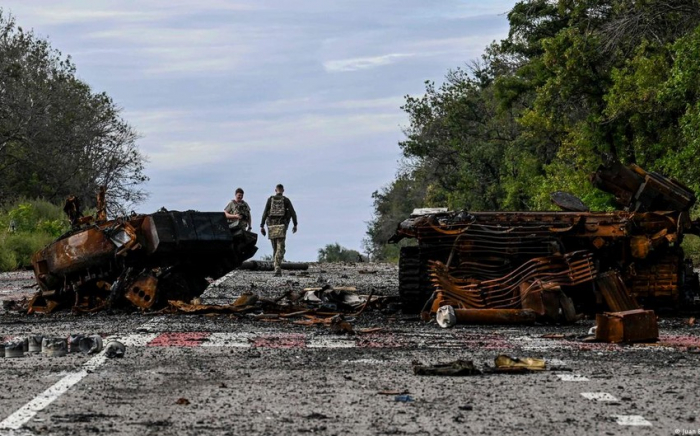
x=217 y=375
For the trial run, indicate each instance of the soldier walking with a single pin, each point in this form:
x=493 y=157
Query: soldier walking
x=277 y=215
x=238 y=212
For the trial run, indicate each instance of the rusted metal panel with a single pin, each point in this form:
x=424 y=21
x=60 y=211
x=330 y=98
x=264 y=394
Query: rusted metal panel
x=615 y=292
x=637 y=325
x=495 y=316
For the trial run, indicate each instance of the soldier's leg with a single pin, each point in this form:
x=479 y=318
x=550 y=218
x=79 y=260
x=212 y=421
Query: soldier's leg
x=279 y=255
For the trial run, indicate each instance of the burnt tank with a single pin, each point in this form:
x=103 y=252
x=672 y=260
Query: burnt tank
x=139 y=260
x=552 y=261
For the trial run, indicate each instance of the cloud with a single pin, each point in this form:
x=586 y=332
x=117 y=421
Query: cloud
x=364 y=63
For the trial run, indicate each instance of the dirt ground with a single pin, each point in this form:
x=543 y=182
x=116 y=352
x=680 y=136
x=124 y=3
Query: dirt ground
x=199 y=374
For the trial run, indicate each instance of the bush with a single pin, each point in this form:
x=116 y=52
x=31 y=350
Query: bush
x=36 y=224
x=24 y=244
x=8 y=261
x=337 y=253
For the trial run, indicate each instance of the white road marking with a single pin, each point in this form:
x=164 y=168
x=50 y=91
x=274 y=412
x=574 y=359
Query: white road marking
x=572 y=377
x=222 y=279
x=152 y=326
x=136 y=340
x=555 y=362
x=331 y=342
x=236 y=340
x=631 y=420
x=599 y=396
x=20 y=417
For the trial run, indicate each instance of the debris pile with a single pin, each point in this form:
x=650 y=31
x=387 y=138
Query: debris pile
x=54 y=346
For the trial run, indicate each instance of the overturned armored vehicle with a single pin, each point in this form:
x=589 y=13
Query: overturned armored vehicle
x=555 y=264
x=140 y=260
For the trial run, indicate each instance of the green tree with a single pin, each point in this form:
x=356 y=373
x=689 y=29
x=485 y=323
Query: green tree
x=337 y=253
x=58 y=137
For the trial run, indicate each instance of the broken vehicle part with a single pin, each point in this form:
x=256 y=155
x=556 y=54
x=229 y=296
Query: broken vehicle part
x=452 y=369
x=115 y=349
x=506 y=363
x=14 y=349
x=637 y=325
x=55 y=347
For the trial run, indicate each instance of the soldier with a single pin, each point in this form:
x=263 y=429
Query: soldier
x=237 y=212
x=278 y=212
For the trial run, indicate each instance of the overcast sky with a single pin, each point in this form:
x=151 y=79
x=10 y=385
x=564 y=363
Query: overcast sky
x=253 y=93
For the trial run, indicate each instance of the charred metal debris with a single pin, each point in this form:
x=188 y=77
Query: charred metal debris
x=522 y=267
x=139 y=260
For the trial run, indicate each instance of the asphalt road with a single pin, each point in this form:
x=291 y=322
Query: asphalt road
x=199 y=374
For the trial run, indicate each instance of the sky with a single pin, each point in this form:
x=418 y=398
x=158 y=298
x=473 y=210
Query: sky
x=233 y=93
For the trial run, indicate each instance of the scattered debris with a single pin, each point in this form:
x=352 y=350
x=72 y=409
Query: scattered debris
x=404 y=392
x=182 y=402
x=54 y=347
x=507 y=364
x=115 y=349
x=637 y=325
x=453 y=369
x=14 y=349
x=90 y=344
x=403 y=399
x=35 y=344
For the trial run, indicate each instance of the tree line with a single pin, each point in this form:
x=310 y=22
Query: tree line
x=57 y=136
x=572 y=81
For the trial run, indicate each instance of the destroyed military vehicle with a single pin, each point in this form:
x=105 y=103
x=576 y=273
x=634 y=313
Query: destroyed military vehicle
x=556 y=264
x=139 y=260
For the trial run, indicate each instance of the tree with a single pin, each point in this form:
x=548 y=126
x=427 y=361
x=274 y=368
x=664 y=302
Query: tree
x=58 y=137
x=337 y=253
x=574 y=80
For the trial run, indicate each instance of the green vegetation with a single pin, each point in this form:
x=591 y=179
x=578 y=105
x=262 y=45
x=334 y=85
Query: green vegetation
x=572 y=81
x=57 y=136
x=337 y=253
x=25 y=227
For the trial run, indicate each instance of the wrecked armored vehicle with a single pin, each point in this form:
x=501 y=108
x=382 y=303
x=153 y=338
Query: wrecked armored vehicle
x=555 y=264
x=142 y=260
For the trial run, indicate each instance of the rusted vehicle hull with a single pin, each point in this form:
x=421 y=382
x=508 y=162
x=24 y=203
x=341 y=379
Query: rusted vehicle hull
x=550 y=262
x=143 y=260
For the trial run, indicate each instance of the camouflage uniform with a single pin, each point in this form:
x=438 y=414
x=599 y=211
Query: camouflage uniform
x=238 y=208
x=277 y=215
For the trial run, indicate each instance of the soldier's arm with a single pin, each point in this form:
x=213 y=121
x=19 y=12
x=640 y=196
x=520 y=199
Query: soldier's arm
x=227 y=212
x=265 y=213
x=292 y=212
x=249 y=216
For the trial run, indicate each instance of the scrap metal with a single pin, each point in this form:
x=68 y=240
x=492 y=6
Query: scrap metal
x=142 y=260
x=555 y=263
x=637 y=325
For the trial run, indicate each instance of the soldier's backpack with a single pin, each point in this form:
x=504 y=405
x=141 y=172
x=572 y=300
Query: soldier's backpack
x=277 y=209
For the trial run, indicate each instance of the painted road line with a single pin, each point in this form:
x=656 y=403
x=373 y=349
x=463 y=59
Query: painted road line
x=236 y=340
x=599 y=396
x=635 y=420
x=572 y=377
x=331 y=342
x=556 y=362
x=152 y=326
x=176 y=339
x=24 y=414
